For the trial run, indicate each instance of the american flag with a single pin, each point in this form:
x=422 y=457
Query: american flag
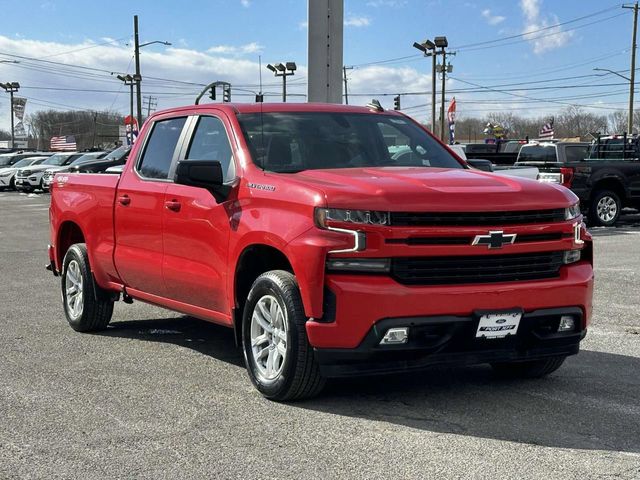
x=64 y=143
x=547 y=130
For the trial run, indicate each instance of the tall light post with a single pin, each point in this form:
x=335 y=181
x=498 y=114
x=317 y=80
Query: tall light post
x=442 y=43
x=11 y=87
x=138 y=76
x=283 y=70
x=630 y=118
x=130 y=81
x=429 y=49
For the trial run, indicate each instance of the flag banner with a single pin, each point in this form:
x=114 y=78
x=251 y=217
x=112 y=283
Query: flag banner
x=547 y=130
x=63 y=143
x=19 y=131
x=131 y=128
x=19 y=105
x=451 y=117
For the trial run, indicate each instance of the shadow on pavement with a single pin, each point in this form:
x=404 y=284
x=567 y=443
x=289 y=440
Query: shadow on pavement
x=592 y=402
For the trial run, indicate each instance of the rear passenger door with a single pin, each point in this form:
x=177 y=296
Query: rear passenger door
x=139 y=207
x=196 y=226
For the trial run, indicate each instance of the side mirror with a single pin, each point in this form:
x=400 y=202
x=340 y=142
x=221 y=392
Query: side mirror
x=481 y=164
x=199 y=173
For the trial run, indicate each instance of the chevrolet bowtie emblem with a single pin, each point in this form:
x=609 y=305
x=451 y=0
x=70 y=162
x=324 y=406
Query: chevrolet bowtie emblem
x=495 y=239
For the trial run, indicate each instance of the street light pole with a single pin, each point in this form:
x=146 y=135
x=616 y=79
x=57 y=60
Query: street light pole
x=11 y=87
x=633 y=63
x=138 y=76
x=130 y=81
x=283 y=70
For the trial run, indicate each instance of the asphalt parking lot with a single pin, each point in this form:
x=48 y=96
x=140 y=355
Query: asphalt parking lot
x=160 y=395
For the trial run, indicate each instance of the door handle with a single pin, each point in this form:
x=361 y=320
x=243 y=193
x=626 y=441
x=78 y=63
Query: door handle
x=173 y=205
x=124 y=200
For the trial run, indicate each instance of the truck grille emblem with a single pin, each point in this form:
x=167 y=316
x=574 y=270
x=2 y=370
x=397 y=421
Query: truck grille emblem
x=495 y=239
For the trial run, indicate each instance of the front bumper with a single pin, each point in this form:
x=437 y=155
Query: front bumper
x=443 y=340
x=354 y=304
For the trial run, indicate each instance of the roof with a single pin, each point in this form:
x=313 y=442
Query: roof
x=235 y=108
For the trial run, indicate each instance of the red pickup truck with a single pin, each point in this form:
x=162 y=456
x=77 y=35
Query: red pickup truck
x=335 y=240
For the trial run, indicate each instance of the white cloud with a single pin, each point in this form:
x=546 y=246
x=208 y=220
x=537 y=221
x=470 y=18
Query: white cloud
x=249 y=48
x=492 y=19
x=548 y=39
x=530 y=9
x=303 y=25
x=357 y=21
x=245 y=3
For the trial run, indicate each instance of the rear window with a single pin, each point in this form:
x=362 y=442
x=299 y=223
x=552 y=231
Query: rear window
x=538 y=153
x=576 y=153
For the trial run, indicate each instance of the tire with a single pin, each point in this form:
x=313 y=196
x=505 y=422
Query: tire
x=12 y=184
x=294 y=373
x=532 y=369
x=91 y=309
x=605 y=208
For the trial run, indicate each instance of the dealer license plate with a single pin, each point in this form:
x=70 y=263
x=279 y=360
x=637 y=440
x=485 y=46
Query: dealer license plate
x=498 y=325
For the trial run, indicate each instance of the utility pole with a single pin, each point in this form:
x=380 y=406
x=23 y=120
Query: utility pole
x=346 y=91
x=11 y=87
x=151 y=104
x=138 y=77
x=130 y=81
x=633 y=63
x=95 y=126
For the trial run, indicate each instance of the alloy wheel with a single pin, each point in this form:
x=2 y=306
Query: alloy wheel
x=607 y=209
x=269 y=327
x=73 y=290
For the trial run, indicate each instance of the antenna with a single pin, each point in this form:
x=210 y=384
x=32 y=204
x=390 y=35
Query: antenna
x=260 y=71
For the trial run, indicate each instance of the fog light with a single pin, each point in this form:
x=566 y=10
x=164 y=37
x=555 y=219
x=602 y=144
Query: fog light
x=571 y=256
x=395 y=336
x=567 y=323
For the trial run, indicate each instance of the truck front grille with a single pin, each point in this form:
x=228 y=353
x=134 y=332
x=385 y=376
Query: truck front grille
x=476 y=269
x=476 y=218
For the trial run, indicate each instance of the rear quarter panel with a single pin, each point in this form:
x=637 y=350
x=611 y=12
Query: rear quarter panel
x=86 y=200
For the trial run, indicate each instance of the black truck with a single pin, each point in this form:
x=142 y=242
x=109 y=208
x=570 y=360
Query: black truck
x=606 y=178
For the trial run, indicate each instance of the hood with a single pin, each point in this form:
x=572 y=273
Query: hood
x=7 y=170
x=433 y=189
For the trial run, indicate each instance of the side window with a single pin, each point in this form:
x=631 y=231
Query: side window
x=158 y=153
x=210 y=142
x=576 y=154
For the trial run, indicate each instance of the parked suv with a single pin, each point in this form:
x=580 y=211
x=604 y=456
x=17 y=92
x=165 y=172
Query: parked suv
x=49 y=173
x=8 y=174
x=30 y=178
x=294 y=225
x=603 y=174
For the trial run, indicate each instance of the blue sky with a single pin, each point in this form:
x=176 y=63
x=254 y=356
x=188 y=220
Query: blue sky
x=221 y=40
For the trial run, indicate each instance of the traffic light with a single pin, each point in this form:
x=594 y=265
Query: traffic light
x=259 y=97
x=226 y=93
x=212 y=93
x=396 y=103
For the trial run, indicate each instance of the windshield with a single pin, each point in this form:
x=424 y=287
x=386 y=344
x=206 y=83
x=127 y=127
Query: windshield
x=57 y=159
x=24 y=162
x=86 y=158
x=117 y=153
x=291 y=142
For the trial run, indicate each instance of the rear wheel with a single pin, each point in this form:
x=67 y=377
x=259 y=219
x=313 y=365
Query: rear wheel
x=279 y=359
x=532 y=369
x=12 y=184
x=87 y=307
x=605 y=208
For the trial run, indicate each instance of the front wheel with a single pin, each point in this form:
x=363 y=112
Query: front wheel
x=605 y=208
x=531 y=369
x=279 y=359
x=87 y=307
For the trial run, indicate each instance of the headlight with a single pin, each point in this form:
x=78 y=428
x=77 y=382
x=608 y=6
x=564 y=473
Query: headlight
x=5 y=174
x=572 y=212
x=364 y=217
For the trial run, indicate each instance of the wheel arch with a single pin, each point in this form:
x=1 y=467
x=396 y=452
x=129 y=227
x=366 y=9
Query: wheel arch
x=254 y=260
x=69 y=232
x=615 y=184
